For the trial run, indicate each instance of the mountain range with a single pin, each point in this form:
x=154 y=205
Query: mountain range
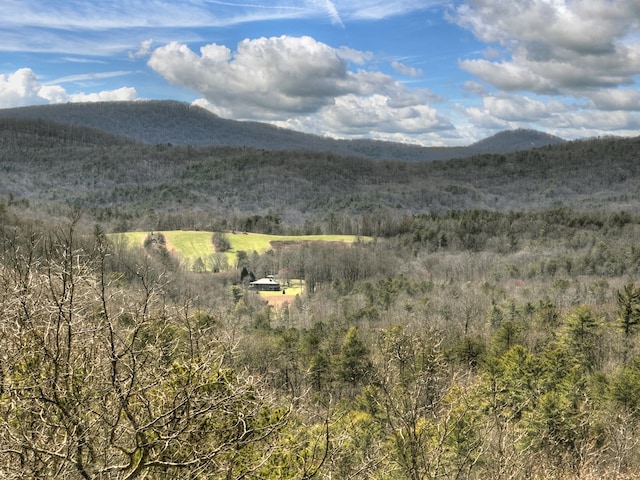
x=177 y=123
x=127 y=184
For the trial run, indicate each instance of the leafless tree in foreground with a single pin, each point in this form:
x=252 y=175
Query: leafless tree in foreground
x=99 y=383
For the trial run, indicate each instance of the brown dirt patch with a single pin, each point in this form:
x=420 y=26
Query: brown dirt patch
x=278 y=300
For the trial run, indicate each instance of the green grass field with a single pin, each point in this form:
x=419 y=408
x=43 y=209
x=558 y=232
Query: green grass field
x=193 y=244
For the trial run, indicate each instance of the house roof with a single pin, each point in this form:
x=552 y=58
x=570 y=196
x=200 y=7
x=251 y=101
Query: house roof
x=265 y=281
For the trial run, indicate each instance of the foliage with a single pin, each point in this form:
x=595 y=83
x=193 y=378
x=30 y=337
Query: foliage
x=132 y=186
x=220 y=242
x=98 y=383
x=629 y=309
x=486 y=332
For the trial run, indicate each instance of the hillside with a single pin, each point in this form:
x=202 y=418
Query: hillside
x=135 y=182
x=514 y=140
x=30 y=133
x=489 y=329
x=164 y=122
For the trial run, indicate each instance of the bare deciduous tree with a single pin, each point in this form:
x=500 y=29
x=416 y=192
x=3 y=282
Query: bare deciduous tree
x=102 y=384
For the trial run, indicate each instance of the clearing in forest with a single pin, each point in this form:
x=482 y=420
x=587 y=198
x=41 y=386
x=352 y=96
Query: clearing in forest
x=191 y=245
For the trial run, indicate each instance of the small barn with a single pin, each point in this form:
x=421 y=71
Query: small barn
x=268 y=284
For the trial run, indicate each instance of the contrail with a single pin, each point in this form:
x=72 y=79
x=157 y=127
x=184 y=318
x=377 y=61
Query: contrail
x=331 y=9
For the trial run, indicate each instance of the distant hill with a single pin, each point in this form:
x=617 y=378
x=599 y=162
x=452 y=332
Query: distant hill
x=176 y=123
x=514 y=140
x=49 y=166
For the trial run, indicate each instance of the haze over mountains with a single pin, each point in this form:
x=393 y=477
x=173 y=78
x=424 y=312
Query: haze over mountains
x=176 y=123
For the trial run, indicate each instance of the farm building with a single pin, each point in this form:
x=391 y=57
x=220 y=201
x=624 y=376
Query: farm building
x=268 y=283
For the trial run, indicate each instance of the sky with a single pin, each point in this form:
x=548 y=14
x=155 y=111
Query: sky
x=429 y=72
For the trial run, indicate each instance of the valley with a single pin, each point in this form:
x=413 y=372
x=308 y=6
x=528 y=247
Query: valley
x=471 y=317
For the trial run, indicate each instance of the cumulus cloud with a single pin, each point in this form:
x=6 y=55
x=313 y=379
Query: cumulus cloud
x=266 y=75
x=566 y=119
x=354 y=56
x=520 y=109
x=555 y=46
x=575 y=64
x=364 y=114
x=600 y=122
x=616 y=99
x=19 y=88
x=297 y=81
x=22 y=87
x=503 y=111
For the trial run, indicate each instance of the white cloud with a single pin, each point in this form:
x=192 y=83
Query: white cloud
x=579 y=59
x=600 y=121
x=298 y=81
x=555 y=46
x=360 y=115
x=564 y=118
x=365 y=116
x=332 y=11
x=616 y=99
x=117 y=14
x=354 y=56
x=143 y=50
x=507 y=75
x=263 y=78
x=84 y=77
x=117 y=95
x=19 y=88
x=520 y=109
x=22 y=88
x=123 y=26
x=474 y=88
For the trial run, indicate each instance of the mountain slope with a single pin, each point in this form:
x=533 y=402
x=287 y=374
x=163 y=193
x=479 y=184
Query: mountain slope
x=22 y=132
x=163 y=122
x=135 y=181
x=514 y=140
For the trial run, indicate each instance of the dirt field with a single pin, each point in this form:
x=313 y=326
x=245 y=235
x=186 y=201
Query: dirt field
x=277 y=300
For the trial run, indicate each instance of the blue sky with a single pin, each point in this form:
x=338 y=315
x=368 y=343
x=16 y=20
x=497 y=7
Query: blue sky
x=432 y=72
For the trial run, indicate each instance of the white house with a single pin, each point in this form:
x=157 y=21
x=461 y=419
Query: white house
x=267 y=283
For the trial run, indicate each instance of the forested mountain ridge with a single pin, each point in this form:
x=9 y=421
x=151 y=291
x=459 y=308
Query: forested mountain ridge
x=19 y=132
x=162 y=122
x=513 y=141
x=111 y=176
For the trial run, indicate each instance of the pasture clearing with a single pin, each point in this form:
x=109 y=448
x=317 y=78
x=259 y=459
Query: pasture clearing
x=190 y=245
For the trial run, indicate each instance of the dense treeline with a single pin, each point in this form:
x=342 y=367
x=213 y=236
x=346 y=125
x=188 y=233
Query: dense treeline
x=24 y=133
x=132 y=186
x=425 y=355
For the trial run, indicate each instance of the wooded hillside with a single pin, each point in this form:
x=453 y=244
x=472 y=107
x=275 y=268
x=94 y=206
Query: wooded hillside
x=50 y=166
x=162 y=122
x=489 y=330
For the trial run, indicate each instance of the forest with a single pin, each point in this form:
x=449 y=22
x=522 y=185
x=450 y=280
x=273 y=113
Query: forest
x=165 y=121
x=489 y=330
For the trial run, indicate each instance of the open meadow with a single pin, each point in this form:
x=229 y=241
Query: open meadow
x=191 y=245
